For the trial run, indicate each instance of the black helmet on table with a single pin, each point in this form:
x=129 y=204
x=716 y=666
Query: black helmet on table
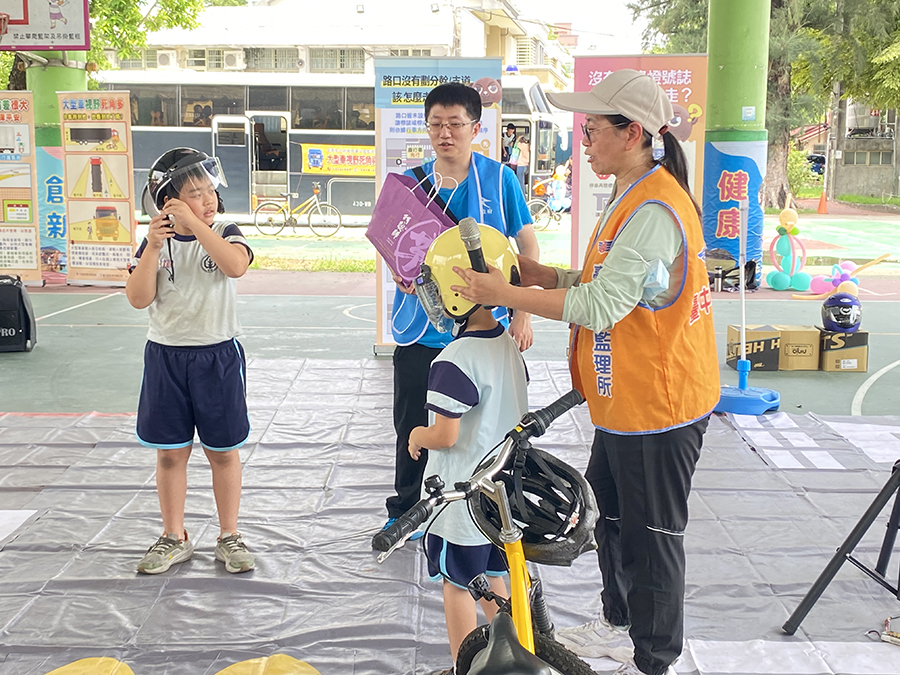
x=549 y=500
x=173 y=170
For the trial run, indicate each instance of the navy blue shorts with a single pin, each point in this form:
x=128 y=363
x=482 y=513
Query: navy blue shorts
x=193 y=387
x=461 y=564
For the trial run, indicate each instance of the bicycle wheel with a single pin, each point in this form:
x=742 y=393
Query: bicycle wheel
x=540 y=214
x=557 y=656
x=270 y=218
x=324 y=220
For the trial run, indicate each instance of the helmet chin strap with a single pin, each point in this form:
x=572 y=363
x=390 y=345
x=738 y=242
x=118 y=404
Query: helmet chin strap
x=459 y=326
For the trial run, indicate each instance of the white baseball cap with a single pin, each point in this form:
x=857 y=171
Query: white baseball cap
x=623 y=92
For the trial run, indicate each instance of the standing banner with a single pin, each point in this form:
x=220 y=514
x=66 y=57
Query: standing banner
x=99 y=185
x=401 y=141
x=19 y=239
x=683 y=77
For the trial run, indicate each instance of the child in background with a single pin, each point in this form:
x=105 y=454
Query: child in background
x=185 y=274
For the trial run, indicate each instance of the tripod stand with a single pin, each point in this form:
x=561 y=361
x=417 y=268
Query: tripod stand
x=890 y=489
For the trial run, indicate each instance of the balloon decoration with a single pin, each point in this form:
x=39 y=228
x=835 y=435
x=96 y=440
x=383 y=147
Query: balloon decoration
x=788 y=255
x=842 y=279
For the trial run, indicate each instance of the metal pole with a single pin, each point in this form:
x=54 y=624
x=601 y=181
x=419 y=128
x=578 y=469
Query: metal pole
x=815 y=592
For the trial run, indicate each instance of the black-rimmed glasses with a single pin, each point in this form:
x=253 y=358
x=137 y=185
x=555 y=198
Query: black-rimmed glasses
x=452 y=126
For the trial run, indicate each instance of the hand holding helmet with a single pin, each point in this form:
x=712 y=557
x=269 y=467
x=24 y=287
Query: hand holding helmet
x=435 y=287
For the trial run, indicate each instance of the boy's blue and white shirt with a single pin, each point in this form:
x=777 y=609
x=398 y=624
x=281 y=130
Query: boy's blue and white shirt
x=480 y=378
x=200 y=307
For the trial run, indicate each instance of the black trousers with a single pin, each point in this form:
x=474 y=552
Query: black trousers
x=411 y=367
x=642 y=485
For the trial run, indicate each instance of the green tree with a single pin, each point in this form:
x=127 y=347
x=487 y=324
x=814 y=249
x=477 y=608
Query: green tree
x=121 y=25
x=816 y=47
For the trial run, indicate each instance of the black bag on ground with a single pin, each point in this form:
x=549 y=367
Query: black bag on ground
x=18 y=332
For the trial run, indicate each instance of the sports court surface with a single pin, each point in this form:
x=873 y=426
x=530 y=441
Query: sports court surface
x=773 y=498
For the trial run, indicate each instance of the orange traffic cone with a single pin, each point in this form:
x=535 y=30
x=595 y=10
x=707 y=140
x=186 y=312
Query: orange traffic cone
x=823 y=204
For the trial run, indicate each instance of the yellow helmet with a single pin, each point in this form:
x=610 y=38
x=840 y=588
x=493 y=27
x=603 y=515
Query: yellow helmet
x=449 y=251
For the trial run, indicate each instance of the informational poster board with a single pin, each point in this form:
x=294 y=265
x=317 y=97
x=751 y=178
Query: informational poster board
x=46 y=25
x=19 y=238
x=683 y=77
x=401 y=141
x=99 y=185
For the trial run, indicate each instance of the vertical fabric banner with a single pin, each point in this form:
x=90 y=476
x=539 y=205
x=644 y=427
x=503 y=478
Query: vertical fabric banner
x=734 y=171
x=19 y=238
x=99 y=185
x=51 y=213
x=401 y=141
x=683 y=77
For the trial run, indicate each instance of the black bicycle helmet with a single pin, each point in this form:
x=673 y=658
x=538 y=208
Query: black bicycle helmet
x=549 y=500
x=175 y=168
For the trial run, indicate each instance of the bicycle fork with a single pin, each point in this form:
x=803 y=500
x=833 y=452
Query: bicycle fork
x=519 y=579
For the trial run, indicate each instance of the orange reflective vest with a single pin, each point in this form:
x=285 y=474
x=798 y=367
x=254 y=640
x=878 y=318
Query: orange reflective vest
x=656 y=369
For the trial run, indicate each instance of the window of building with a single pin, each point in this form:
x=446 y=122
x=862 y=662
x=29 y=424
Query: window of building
x=887 y=157
x=336 y=60
x=268 y=59
x=200 y=102
x=153 y=105
x=135 y=62
x=215 y=59
x=403 y=51
x=360 y=108
x=318 y=107
x=260 y=58
x=286 y=58
x=196 y=58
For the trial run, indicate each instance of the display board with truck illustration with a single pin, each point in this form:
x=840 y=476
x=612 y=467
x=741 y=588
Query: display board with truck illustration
x=99 y=185
x=19 y=240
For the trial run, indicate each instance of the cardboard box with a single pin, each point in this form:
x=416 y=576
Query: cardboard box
x=799 y=348
x=844 y=352
x=763 y=347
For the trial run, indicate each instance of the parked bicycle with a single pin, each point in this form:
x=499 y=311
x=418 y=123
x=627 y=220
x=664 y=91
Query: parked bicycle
x=541 y=214
x=321 y=217
x=556 y=506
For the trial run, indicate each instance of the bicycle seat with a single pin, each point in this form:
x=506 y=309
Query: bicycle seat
x=293 y=195
x=504 y=655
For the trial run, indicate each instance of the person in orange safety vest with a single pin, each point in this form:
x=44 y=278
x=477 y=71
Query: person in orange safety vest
x=643 y=353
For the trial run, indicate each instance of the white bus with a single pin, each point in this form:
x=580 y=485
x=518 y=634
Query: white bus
x=258 y=124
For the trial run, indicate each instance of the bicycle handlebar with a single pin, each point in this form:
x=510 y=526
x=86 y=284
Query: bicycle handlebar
x=404 y=525
x=532 y=424
x=539 y=420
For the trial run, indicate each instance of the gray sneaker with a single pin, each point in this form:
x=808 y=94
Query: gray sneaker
x=232 y=551
x=597 y=639
x=167 y=551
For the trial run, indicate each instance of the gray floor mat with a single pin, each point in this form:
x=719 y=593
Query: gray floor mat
x=772 y=500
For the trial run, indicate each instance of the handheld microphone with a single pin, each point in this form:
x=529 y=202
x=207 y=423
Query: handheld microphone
x=471 y=239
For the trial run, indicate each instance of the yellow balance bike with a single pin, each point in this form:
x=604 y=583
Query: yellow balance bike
x=519 y=640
